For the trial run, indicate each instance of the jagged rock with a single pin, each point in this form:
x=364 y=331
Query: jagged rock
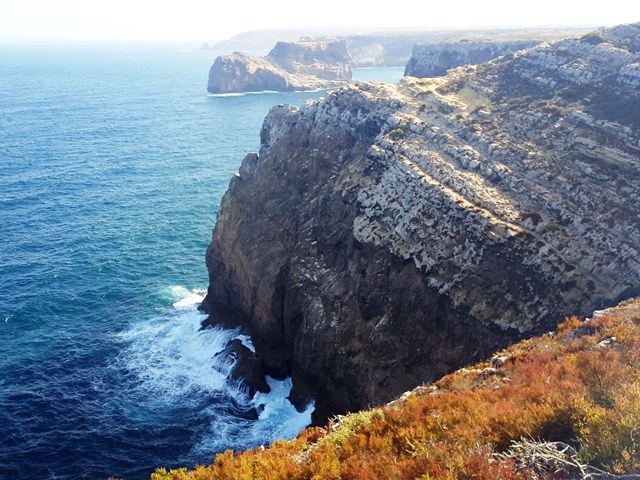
x=247 y=368
x=287 y=67
x=498 y=362
x=434 y=59
x=389 y=234
x=607 y=342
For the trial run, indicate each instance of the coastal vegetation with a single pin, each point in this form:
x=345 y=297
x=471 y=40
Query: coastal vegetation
x=562 y=405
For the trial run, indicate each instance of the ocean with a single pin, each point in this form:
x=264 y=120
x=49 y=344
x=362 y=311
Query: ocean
x=113 y=163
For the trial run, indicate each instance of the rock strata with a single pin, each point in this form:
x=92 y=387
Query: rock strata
x=434 y=59
x=389 y=234
x=288 y=67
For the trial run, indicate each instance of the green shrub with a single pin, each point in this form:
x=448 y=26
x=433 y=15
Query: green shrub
x=610 y=437
x=593 y=38
x=397 y=133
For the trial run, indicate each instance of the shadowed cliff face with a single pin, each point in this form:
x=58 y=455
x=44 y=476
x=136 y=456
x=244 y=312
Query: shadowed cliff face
x=389 y=234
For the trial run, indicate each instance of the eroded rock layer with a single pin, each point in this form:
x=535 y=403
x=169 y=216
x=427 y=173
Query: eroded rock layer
x=389 y=234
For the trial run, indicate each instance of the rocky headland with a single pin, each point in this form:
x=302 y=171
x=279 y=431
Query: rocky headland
x=309 y=65
x=434 y=59
x=388 y=234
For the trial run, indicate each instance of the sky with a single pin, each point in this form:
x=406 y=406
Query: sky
x=209 y=20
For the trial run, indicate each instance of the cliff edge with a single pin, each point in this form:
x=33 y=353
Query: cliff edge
x=388 y=234
x=288 y=66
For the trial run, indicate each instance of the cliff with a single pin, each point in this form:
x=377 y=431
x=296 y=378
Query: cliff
x=287 y=67
x=561 y=406
x=388 y=234
x=434 y=59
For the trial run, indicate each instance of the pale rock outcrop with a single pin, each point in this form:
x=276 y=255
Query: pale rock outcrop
x=389 y=234
x=287 y=67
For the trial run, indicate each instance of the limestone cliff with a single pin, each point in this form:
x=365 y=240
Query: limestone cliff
x=287 y=67
x=434 y=59
x=389 y=234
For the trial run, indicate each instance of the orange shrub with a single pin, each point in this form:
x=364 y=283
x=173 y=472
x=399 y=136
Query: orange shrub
x=569 y=324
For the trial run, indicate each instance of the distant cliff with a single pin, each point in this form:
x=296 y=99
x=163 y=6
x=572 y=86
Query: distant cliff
x=388 y=234
x=391 y=48
x=434 y=59
x=451 y=48
x=287 y=67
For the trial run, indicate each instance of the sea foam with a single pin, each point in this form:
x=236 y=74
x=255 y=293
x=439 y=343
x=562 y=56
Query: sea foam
x=175 y=363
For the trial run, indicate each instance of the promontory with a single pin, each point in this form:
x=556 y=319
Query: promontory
x=387 y=234
x=289 y=66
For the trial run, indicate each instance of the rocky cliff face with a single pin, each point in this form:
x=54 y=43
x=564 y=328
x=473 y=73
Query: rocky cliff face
x=434 y=59
x=287 y=67
x=388 y=234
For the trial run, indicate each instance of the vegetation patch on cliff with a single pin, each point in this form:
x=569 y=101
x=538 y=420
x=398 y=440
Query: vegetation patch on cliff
x=564 y=405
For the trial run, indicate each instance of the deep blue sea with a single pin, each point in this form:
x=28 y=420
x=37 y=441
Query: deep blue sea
x=113 y=162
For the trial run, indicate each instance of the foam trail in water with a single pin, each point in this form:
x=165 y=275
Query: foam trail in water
x=246 y=341
x=214 y=95
x=263 y=92
x=173 y=361
x=170 y=354
x=191 y=299
x=279 y=418
x=179 y=294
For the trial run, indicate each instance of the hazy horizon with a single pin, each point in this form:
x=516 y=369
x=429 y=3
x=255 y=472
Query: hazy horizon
x=193 y=44
x=120 y=21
